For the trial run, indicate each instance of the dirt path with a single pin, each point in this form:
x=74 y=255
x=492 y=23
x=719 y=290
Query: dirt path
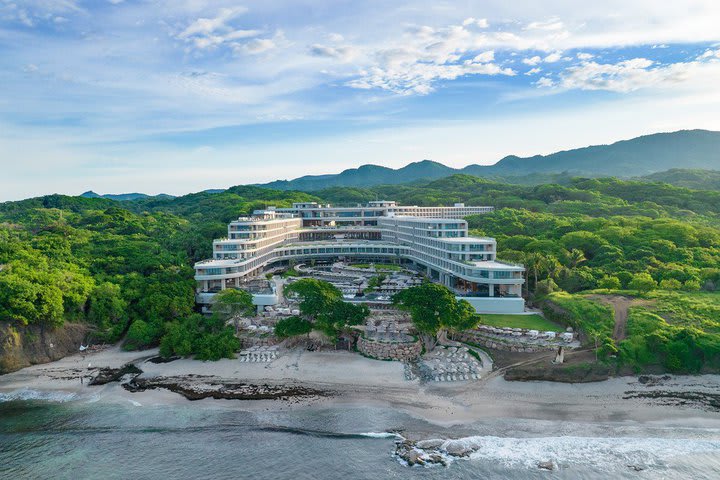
x=620 y=305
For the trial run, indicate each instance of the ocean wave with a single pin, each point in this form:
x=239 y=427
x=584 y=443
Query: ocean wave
x=324 y=433
x=29 y=394
x=605 y=453
x=379 y=435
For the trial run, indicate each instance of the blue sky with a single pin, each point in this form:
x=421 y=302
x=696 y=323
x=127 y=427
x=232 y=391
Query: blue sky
x=182 y=95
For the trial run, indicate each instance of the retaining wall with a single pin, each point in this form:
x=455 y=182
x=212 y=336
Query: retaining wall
x=401 y=351
x=495 y=344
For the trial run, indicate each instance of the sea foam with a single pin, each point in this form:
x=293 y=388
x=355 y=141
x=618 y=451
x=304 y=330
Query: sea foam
x=606 y=453
x=29 y=394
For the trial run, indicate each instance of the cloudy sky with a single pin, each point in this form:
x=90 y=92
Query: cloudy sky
x=182 y=95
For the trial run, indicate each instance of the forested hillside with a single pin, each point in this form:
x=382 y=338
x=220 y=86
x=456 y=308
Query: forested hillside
x=698 y=149
x=126 y=273
x=125 y=267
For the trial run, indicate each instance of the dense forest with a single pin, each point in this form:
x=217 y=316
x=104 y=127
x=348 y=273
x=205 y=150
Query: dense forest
x=125 y=267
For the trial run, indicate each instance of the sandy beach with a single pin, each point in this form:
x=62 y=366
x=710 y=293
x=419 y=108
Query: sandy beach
x=351 y=379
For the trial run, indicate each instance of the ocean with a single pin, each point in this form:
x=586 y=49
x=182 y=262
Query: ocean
x=58 y=436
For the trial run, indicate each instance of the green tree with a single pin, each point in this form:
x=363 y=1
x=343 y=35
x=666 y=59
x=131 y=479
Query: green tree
x=108 y=310
x=670 y=284
x=339 y=316
x=610 y=283
x=435 y=310
x=232 y=304
x=642 y=282
x=316 y=296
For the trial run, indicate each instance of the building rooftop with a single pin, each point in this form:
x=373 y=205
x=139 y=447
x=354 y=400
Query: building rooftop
x=498 y=265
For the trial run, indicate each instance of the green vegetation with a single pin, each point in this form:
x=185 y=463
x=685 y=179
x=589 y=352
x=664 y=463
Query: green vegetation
x=322 y=306
x=435 y=311
x=594 y=319
x=688 y=178
x=531 y=322
x=206 y=337
x=378 y=266
x=125 y=267
x=375 y=282
x=292 y=326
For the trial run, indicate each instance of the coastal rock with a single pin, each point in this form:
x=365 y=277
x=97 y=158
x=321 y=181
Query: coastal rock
x=199 y=388
x=430 y=444
x=548 y=465
x=22 y=346
x=413 y=457
x=457 y=449
x=107 y=375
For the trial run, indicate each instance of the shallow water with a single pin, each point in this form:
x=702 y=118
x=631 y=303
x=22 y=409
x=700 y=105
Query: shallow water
x=75 y=438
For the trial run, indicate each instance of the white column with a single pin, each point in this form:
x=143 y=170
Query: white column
x=491 y=290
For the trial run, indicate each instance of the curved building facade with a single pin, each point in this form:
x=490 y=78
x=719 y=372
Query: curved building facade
x=434 y=240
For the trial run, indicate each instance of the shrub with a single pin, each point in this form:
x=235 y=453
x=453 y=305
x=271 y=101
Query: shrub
x=292 y=326
x=611 y=283
x=670 y=284
x=642 y=282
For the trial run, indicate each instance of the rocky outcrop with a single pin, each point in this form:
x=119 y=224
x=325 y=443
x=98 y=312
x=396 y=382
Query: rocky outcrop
x=107 y=375
x=401 y=351
x=195 y=387
x=21 y=347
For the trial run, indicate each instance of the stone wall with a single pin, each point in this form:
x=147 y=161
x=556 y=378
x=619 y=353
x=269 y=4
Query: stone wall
x=495 y=344
x=247 y=341
x=401 y=351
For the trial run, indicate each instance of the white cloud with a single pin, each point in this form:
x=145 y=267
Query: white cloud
x=553 y=57
x=479 y=22
x=545 y=82
x=258 y=45
x=345 y=53
x=625 y=76
x=585 y=56
x=210 y=32
x=708 y=54
x=554 y=24
x=484 y=57
x=533 y=71
x=532 y=60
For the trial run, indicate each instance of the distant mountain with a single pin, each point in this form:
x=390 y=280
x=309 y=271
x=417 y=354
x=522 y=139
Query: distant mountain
x=124 y=197
x=688 y=178
x=367 y=175
x=696 y=149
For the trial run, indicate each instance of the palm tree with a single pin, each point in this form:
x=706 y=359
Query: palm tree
x=575 y=257
x=552 y=266
x=534 y=262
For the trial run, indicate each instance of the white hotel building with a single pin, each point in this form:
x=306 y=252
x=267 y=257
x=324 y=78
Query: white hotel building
x=432 y=239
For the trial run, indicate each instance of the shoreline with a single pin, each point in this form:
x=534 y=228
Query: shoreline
x=300 y=379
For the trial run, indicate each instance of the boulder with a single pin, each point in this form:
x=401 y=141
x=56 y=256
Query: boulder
x=430 y=444
x=457 y=449
x=548 y=465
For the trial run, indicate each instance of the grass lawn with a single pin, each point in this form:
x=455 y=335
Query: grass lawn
x=379 y=266
x=531 y=322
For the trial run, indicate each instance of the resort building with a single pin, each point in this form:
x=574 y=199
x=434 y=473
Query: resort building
x=433 y=240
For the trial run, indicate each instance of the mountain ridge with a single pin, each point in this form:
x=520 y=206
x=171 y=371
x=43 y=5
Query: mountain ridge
x=639 y=156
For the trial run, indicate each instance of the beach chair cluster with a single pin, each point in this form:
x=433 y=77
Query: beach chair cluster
x=452 y=364
x=525 y=334
x=259 y=354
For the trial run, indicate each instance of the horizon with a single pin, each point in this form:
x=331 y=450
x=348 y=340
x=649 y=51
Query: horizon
x=207 y=95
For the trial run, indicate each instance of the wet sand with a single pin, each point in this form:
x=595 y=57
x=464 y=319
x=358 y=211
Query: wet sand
x=350 y=379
